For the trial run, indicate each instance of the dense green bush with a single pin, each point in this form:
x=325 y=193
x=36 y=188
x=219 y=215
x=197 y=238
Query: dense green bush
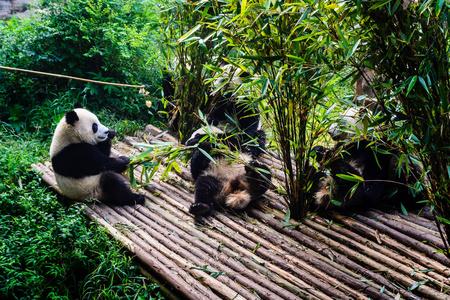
x=103 y=40
x=48 y=250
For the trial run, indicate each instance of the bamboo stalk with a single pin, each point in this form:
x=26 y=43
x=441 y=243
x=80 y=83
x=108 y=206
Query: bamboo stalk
x=379 y=254
x=245 y=256
x=313 y=276
x=380 y=278
x=176 y=241
x=150 y=241
x=301 y=252
x=397 y=218
x=177 y=207
x=330 y=270
x=419 y=221
x=319 y=246
x=411 y=232
x=429 y=251
x=392 y=243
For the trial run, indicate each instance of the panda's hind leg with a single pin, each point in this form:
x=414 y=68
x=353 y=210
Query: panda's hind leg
x=207 y=189
x=116 y=191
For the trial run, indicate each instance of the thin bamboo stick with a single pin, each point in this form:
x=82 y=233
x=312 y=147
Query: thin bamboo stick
x=411 y=232
x=344 y=249
x=384 y=239
x=429 y=251
x=399 y=259
x=201 y=248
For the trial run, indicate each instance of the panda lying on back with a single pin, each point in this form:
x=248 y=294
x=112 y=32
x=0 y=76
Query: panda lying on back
x=234 y=184
x=80 y=154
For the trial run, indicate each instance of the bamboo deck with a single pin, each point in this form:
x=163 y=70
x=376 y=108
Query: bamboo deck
x=257 y=254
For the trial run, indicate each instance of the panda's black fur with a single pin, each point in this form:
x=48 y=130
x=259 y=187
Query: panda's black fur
x=231 y=184
x=243 y=125
x=83 y=166
x=376 y=163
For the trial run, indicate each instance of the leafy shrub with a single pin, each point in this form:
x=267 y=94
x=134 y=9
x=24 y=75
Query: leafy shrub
x=102 y=40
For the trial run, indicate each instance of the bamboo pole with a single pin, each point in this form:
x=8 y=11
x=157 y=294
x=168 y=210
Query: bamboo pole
x=246 y=257
x=384 y=239
x=411 y=232
x=429 y=251
x=391 y=260
x=326 y=266
x=200 y=246
x=407 y=266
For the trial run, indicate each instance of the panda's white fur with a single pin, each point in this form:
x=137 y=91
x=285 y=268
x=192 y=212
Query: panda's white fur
x=65 y=135
x=233 y=182
x=207 y=129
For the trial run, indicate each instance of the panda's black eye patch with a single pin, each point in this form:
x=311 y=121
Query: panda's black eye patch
x=94 y=127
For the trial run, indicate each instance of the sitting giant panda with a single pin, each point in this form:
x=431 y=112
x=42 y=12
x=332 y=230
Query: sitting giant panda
x=80 y=154
x=234 y=184
x=376 y=163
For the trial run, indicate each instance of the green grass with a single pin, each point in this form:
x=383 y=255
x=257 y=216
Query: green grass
x=51 y=251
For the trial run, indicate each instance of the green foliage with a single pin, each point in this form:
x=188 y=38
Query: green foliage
x=51 y=251
x=196 y=52
x=102 y=40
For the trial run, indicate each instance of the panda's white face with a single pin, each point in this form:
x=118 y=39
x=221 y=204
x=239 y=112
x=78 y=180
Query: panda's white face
x=88 y=128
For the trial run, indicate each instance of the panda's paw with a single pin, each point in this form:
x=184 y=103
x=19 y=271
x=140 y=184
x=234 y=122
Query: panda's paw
x=200 y=209
x=121 y=164
x=123 y=159
x=139 y=199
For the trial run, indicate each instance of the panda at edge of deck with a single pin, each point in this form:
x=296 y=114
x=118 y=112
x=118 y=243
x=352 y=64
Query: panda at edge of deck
x=234 y=184
x=377 y=167
x=80 y=154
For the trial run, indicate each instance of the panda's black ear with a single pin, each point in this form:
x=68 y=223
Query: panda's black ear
x=71 y=117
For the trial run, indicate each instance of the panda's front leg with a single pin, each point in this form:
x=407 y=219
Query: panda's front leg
x=117 y=164
x=199 y=162
x=259 y=178
x=207 y=189
x=115 y=190
x=105 y=146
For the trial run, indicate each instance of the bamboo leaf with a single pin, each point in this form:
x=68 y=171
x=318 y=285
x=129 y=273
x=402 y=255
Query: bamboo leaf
x=207 y=155
x=266 y=82
x=351 y=177
x=189 y=33
x=287 y=217
x=350 y=54
x=439 y=5
x=411 y=85
x=243 y=6
x=403 y=208
x=424 y=84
